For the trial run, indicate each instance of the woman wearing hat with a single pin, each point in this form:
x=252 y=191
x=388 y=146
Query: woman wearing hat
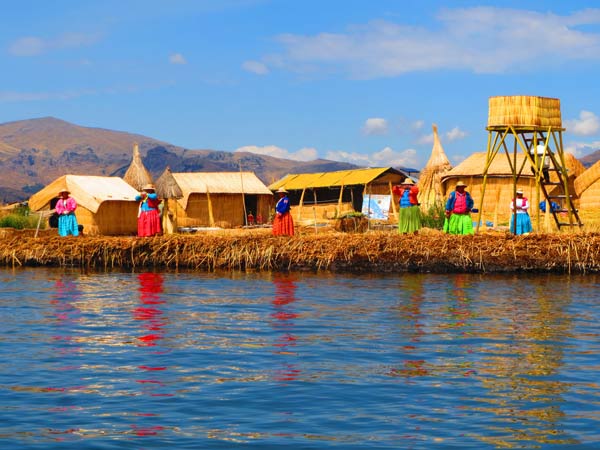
x=458 y=211
x=148 y=214
x=520 y=223
x=409 y=219
x=65 y=208
x=283 y=224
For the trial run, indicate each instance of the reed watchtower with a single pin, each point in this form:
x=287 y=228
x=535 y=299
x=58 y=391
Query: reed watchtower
x=533 y=125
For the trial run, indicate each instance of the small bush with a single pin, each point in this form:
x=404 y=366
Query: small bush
x=20 y=218
x=434 y=216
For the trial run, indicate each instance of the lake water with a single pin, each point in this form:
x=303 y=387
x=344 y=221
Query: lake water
x=299 y=361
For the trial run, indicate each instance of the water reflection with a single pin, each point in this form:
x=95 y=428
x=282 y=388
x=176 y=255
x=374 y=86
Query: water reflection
x=67 y=315
x=153 y=322
x=283 y=321
x=520 y=370
x=298 y=360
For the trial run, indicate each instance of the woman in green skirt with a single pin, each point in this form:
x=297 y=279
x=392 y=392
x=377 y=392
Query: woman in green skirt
x=409 y=216
x=458 y=211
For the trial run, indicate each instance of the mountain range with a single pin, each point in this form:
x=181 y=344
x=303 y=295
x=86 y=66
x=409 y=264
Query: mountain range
x=35 y=152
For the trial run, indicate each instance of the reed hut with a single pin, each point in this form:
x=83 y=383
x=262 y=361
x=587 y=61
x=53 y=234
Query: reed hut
x=106 y=205
x=216 y=199
x=430 y=179
x=499 y=184
x=168 y=189
x=324 y=196
x=137 y=175
x=587 y=187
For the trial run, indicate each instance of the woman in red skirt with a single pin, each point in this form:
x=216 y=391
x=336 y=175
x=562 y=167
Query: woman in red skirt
x=283 y=224
x=148 y=215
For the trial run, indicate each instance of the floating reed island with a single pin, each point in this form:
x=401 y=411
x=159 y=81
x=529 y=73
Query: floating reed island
x=372 y=252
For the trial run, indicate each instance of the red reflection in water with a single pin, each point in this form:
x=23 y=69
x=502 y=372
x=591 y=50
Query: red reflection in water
x=284 y=315
x=152 y=320
x=151 y=286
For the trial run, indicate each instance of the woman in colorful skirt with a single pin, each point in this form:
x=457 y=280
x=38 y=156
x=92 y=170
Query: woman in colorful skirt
x=283 y=224
x=409 y=219
x=458 y=211
x=522 y=219
x=148 y=214
x=65 y=208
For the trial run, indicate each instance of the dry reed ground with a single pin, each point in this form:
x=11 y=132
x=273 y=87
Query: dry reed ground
x=310 y=249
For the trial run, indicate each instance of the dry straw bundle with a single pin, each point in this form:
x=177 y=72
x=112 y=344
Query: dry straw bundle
x=524 y=110
x=430 y=185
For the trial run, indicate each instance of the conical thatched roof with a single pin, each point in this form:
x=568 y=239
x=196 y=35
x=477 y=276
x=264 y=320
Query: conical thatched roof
x=430 y=187
x=137 y=175
x=166 y=185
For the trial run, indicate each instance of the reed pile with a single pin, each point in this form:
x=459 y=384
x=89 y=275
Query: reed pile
x=377 y=252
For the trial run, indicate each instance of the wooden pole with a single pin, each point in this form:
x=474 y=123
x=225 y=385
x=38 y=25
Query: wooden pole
x=211 y=218
x=393 y=202
x=300 y=205
x=243 y=196
x=339 y=213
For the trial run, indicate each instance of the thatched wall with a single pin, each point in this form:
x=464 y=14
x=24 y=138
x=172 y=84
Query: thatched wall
x=227 y=210
x=114 y=218
x=320 y=213
x=590 y=198
x=498 y=194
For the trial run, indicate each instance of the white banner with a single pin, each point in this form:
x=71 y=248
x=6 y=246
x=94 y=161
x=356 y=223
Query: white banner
x=376 y=206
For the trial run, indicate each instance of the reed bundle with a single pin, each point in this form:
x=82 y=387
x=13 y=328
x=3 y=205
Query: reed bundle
x=524 y=110
x=430 y=251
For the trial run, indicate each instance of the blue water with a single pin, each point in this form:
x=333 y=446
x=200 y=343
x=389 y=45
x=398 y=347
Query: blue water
x=300 y=361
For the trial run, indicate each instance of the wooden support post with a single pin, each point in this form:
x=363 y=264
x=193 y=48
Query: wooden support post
x=339 y=211
x=392 y=201
x=300 y=205
x=211 y=218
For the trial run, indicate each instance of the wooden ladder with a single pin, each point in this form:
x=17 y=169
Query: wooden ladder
x=563 y=198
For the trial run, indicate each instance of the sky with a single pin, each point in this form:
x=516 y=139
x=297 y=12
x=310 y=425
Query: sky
x=360 y=81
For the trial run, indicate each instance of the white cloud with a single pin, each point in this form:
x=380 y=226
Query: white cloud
x=304 y=154
x=33 y=45
x=580 y=149
x=375 y=126
x=425 y=139
x=471 y=39
x=255 y=67
x=383 y=158
x=588 y=124
x=417 y=125
x=177 y=58
x=455 y=134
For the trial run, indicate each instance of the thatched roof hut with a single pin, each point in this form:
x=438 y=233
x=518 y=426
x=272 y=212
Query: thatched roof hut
x=106 y=205
x=216 y=199
x=587 y=187
x=430 y=179
x=499 y=186
x=326 y=195
x=137 y=175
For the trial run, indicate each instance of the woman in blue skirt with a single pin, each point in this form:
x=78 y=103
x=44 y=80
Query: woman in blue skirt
x=521 y=224
x=65 y=208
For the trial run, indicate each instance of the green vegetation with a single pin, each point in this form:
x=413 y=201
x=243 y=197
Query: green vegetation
x=434 y=216
x=20 y=218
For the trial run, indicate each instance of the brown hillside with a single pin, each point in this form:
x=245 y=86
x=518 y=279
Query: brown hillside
x=35 y=152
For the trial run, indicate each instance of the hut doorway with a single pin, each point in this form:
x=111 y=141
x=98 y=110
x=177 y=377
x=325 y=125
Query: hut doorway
x=53 y=219
x=251 y=203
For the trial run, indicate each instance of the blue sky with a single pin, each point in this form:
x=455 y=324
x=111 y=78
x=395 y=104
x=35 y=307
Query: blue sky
x=349 y=80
